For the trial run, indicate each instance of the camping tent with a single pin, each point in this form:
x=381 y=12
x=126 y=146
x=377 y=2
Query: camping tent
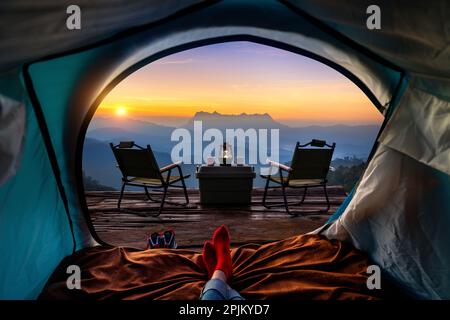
x=52 y=79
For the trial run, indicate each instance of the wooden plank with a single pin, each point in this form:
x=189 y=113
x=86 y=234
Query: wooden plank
x=195 y=223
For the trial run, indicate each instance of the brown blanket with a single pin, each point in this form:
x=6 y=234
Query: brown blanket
x=302 y=267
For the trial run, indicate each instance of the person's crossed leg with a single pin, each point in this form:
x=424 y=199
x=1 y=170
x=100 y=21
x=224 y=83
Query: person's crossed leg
x=217 y=259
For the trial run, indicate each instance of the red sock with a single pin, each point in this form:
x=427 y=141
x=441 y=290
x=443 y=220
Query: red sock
x=221 y=241
x=209 y=258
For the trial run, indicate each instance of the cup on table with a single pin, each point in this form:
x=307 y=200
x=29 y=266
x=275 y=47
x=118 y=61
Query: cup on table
x=240 y=161
x=210 y=161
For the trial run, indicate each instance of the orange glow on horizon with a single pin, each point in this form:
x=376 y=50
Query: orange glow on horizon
x=180 y=85
x=335 y=107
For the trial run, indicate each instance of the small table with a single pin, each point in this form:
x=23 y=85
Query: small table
x=230 y=185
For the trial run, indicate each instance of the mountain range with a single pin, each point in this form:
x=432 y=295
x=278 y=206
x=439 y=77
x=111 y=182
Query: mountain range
x=243 y=120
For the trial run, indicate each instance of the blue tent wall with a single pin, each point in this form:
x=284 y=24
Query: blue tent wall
x=53 y=82
x=34 y=228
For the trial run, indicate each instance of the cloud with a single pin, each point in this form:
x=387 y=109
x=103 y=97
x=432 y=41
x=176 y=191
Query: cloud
x=181 y=61
x=153 y=98
x=264 y=51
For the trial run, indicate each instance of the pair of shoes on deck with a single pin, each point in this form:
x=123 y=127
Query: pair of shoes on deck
x=162 y=240
x=216 y=253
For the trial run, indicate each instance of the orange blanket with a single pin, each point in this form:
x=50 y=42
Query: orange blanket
x=301 y=267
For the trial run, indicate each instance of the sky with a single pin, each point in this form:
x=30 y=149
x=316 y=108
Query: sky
x=237 y=77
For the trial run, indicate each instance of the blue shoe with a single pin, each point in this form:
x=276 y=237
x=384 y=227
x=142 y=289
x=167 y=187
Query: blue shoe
x=155 y=241
x=169 y=239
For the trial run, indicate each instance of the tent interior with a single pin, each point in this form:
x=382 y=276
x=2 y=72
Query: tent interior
x=398 y=215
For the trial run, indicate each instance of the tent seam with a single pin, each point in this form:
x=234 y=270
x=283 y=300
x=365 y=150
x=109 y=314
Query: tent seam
x=48 y=146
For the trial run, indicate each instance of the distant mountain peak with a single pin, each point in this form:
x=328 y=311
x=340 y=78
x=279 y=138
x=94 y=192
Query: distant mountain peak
x=242 y=120
x=206 y=114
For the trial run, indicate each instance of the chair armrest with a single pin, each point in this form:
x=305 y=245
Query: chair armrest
x=279 y=165
x=170 y=166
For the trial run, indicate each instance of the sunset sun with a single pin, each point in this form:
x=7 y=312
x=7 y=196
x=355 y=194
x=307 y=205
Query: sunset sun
x=121 y=111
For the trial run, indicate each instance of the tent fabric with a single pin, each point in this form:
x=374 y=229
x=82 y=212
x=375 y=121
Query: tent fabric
x=35 y=29
x=59 y=95
x=54 y=92
x=402 y=220
x=414 y=35
x=307 y=267
x=34 y=230
x=12 y=130
x=400 y=212
x=420 y=129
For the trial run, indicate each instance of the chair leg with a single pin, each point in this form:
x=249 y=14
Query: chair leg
x=304 y=194
x=185 y=191
x=163 y=200
x=286 y=205
x=148 y=195
x=326 y=197
x=265 y=193
x=121 y=195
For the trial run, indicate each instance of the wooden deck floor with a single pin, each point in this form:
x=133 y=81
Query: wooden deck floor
x=194 y=224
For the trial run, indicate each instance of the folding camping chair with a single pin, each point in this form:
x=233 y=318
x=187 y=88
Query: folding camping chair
x=140 y=169
x=309 y=168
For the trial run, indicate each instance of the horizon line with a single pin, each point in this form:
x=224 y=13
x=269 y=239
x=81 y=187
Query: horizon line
x=284 y=122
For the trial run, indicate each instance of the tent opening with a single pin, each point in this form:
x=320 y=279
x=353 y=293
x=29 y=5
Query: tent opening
x=187 y=104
